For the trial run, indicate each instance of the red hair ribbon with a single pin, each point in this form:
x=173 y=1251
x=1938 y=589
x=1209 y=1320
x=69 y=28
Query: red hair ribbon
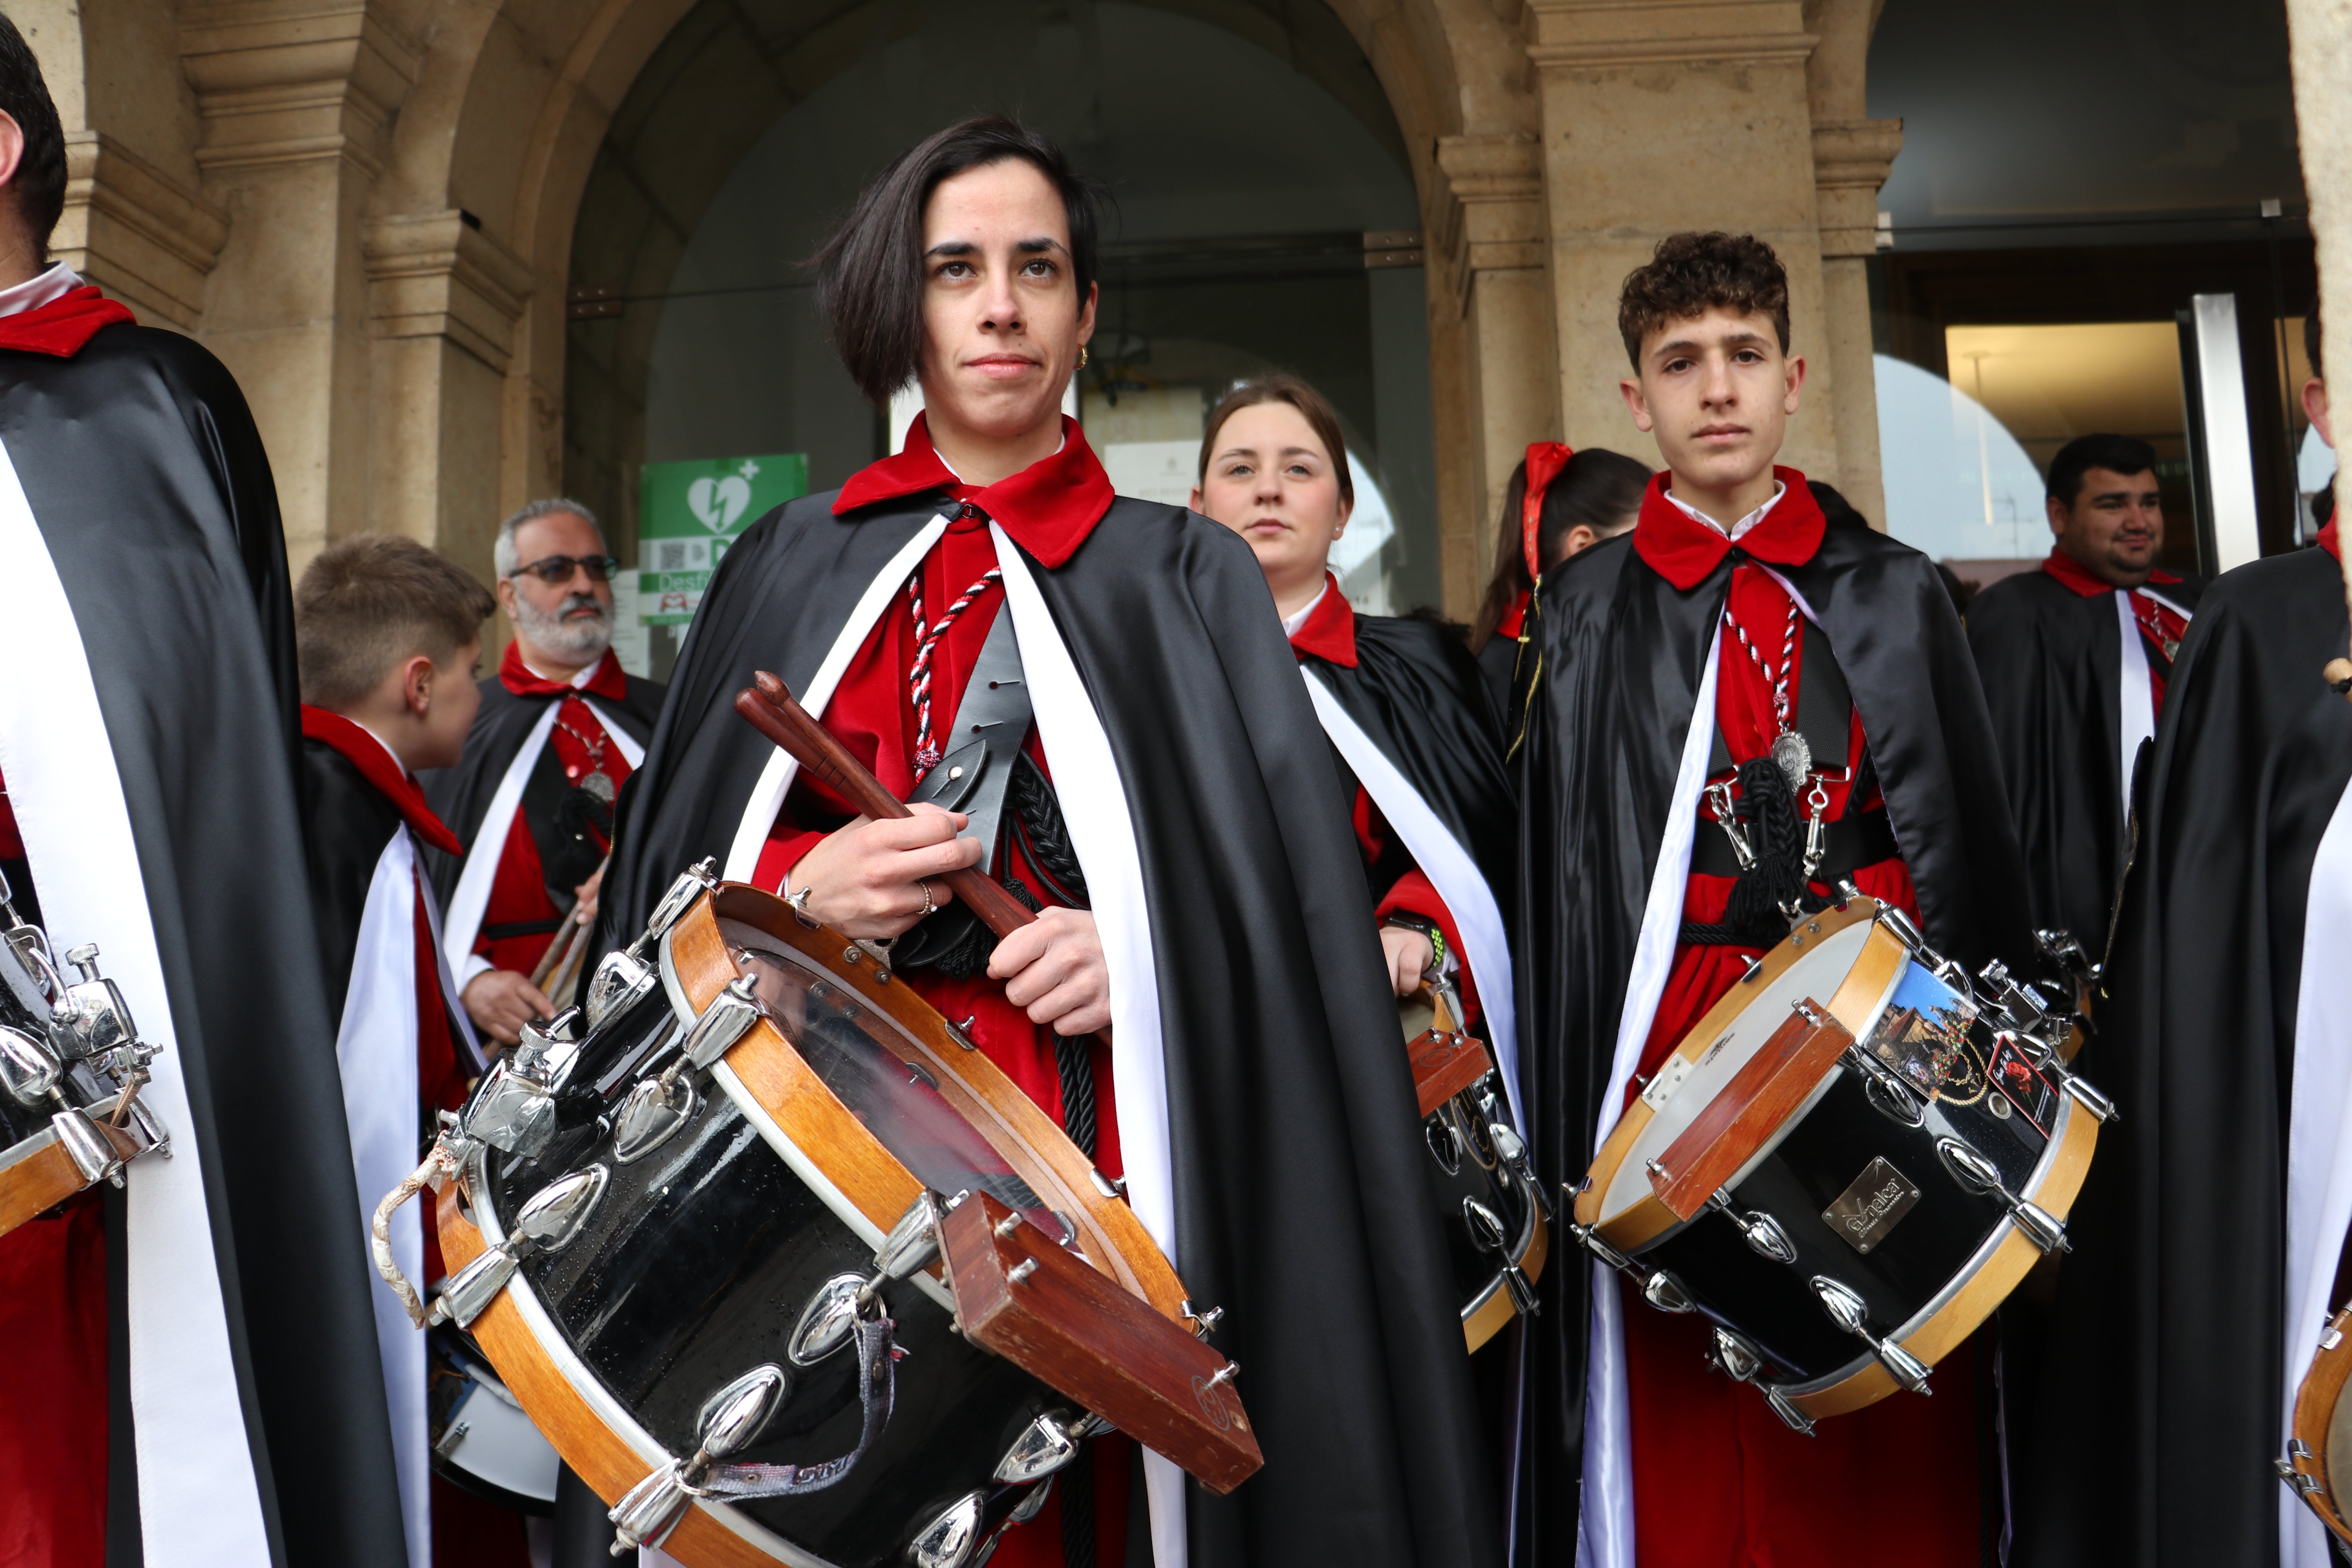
x=1545 y=461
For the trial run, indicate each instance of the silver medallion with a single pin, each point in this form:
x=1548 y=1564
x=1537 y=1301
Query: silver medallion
x=600 y=785
x=1794 y=758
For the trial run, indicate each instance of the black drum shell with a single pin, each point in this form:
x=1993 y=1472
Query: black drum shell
x=1924 y=1253
x=1475 y=1175
x=695 y=1267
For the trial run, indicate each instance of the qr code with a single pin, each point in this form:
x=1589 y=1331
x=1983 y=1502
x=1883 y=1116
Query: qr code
x=679 y=554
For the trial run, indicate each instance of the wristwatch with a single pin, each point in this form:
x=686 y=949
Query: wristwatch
x=1441 y=961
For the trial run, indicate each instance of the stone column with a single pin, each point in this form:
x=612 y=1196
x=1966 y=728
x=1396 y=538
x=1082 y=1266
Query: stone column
x=1493 y=243
x=1850 y=158
x=298 y=106
x=444 y=299
x=1668 y=117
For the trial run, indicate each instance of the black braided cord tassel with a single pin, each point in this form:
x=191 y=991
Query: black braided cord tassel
x=1756 y=915
x=1074 y=1054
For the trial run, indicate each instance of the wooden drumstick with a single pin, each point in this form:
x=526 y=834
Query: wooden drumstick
x=771 y=711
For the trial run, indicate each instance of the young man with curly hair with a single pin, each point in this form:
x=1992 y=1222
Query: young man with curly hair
x=1731 y=640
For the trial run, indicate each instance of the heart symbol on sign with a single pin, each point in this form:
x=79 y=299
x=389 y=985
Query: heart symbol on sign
x=717 y=503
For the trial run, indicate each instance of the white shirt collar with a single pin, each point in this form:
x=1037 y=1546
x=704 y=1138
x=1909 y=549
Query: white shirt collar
x=1290 y=623
x=580 y=677
x=35 y=292
x=388 y=752
x=1779 y=489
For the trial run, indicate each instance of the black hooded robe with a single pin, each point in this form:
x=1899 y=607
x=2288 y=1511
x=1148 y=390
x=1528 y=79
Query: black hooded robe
x=1225 y=882
x=1622 y=657
x=2150 y=1436
x=2056 y=664
x=149 y=743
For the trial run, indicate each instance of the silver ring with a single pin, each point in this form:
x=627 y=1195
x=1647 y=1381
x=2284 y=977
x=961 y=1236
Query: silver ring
x=928 y=906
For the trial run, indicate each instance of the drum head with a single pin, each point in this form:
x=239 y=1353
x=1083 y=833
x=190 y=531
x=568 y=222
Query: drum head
x=1817 y=970
x=2338 y=1451
x=876 y=1069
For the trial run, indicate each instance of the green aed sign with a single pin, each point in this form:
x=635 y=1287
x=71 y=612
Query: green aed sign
x=688 y=514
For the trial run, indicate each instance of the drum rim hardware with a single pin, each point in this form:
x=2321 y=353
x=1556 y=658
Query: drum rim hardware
x=86 y=1066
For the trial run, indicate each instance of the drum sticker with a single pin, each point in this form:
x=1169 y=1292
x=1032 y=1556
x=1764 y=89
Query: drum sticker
x=1866 y=1212
x=2025 y=1089
x=1923 y=1035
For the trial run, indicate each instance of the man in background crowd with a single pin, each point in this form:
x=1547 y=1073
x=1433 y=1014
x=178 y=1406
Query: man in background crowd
x=2074 y=659
x=560 y=731
x=389 y=634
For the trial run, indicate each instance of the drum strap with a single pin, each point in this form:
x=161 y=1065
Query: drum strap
x=878 y=1386
x=991 y=725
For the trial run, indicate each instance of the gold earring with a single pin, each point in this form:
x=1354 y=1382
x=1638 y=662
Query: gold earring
x=1082 y=356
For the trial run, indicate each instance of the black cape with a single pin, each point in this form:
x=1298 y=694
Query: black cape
x=350 y=821
x=153 y=493
x=2152 y=1430
x=460 y=796
x=1421 y=698
x=1300 y=1203
x=2050 y=661
x=1623 y=654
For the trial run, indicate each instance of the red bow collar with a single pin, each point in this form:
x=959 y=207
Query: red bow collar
x=1544 y=461
x=2077 y=576
x=1329 y=632
x=2328 y=540
x=380 y=768
x=609 y=682
x=1684 y=550
x=64 y=325
x=1048 y=508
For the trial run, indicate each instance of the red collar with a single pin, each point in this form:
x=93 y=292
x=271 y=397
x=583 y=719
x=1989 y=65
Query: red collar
x=1684 y=550
x=609 y=682
x=378 y=767
x=2078 y=577
x=1048 y=508
x=2328 y=540
x=1329 y=632
x=64 y=324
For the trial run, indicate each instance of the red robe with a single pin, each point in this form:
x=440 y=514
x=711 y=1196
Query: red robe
x=1049 y=507
x=1718 y=1481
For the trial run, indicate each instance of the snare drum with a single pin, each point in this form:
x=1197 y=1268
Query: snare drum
x=482 y=1441
x=1497 y=1215
x=1848 y=1163
x=2319 y=1450
x=790 y=1273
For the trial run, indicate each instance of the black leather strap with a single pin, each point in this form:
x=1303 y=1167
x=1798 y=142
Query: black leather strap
x=1851 y=843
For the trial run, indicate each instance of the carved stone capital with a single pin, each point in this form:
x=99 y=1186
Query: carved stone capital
x=436 y=275
x=1600 y=35
x=1492 y=196
x=1851 y=161
x=135 y=231
x=296 y=81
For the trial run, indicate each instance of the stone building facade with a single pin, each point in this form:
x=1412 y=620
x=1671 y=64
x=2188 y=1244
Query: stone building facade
x=367 y=209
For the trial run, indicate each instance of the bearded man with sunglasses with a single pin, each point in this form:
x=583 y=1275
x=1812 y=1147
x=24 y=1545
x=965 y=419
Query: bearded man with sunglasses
x=560 y=729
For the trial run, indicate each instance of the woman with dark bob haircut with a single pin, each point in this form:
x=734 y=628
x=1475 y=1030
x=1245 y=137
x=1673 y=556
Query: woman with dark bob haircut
x=1138 y=761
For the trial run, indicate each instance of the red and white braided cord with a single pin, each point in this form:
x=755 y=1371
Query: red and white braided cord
x=1788 y=655
x=919 y=678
